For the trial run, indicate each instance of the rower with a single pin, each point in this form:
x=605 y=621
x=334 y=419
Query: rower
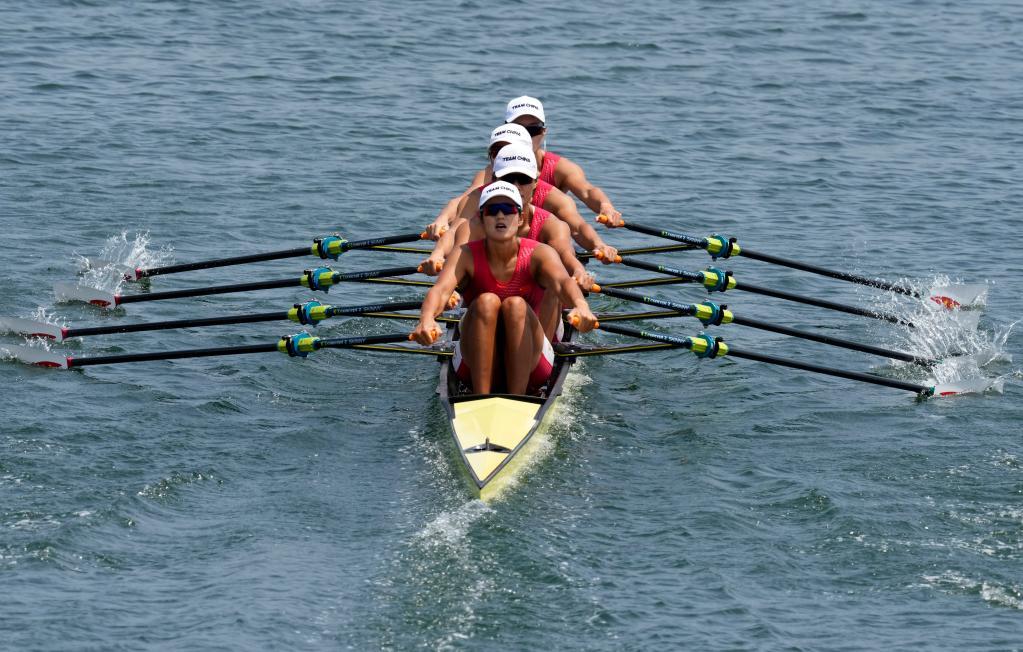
x=504 y=277
x=542 y=196
x=557 y=170
x=502 y=134
x=515 y=164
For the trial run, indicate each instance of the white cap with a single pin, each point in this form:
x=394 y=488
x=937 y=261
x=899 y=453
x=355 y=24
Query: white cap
x=524 y=105
x=510 y=133
x=516 y=157
x=500 y=189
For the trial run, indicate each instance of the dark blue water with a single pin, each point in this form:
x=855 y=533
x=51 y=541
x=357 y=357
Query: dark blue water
x=260 y=502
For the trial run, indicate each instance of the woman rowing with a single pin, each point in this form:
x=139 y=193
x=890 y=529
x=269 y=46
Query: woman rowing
x=503 y=134
x=543 y=195
x=557 y=170
x=514 y=164
x=538 y=194
x=504 y=278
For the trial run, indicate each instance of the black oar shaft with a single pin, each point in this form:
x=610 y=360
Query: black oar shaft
x=829 y=371
x=769 y=359
x=824 y=271
x=223 y=262
x=171 y=355
x=274 y=255
x=260 y=285
x=696 y=277
x=334 y=343
x=822 y=303
x=657 y=249
x=683 y=309
x=348 y=342
x=334 y=311
x=827 y=339
x=691 y=277
x=645 y=282
x=778 y=260
x=212 y=289
x=668 y=235
x=177 y=323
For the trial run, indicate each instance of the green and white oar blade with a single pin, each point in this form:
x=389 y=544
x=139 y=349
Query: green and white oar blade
x=30 y=328
x=70 y=292
x=34 y=356
x=958 y=295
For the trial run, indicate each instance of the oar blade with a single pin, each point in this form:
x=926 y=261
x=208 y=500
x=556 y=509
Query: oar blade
x=71 y=292
x=966 y=319
x=955 y=296
x=969 y=386
x=31 y=328
x=34 y=356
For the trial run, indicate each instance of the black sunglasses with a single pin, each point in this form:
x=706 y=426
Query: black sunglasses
x=502 y=207
x=517 y=178
x=535 y=130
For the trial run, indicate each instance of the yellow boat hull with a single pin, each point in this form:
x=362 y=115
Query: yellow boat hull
x=498 y=434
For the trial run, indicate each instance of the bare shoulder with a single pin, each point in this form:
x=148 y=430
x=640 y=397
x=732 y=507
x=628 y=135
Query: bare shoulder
x=556 y=228
x=567 y=167
x=544 y=254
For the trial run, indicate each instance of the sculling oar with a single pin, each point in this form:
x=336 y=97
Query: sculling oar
x=300 y=345
x=310 y=312
x=711 y=314
x=328 y=247
x=716 y=280
x=951 y=296
x=321 y=278
x=708 y=346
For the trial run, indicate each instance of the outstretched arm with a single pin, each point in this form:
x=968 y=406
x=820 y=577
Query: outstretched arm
x=556 y=235
x=452 y=209
x=548 y=270
x=582 y=232
x=575 y=181
x=436 y=300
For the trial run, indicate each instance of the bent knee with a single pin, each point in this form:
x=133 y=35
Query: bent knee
x=488 y=302
x=514 y=306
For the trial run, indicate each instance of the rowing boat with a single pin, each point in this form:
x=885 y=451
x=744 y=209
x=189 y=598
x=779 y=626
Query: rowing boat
x=497 y=434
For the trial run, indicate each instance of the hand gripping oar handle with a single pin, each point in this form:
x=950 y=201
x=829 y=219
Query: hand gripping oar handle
x=328 y=247
x=716 y=280
x=708 y=346
x=725 y=247
x=713 y=315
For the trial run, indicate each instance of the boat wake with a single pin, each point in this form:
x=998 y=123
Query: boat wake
x=953 y=582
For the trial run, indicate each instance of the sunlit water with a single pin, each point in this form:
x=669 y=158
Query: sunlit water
x=260 y=502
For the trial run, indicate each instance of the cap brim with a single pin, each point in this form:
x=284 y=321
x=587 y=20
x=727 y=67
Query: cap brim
x=516 y=167
x=503 y=195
